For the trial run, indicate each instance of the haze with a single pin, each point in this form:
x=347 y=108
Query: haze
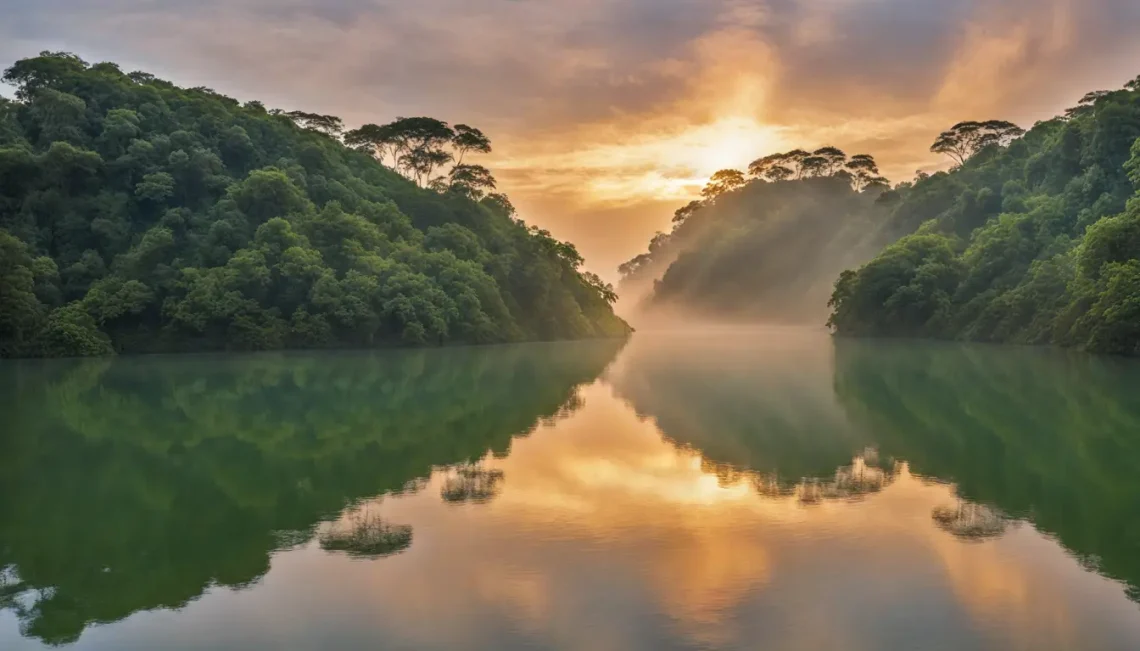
x=608 y=114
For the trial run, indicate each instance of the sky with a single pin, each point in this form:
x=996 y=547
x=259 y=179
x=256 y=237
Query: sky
x=606 y=115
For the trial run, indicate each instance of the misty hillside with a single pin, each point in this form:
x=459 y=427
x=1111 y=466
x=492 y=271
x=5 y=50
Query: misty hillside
x=139 y=216
x=1030 y=239
x=766 y=248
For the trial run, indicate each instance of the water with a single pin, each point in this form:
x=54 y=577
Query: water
x=759 y=488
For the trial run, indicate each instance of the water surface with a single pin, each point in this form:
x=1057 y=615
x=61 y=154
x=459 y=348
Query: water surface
x=758 y=488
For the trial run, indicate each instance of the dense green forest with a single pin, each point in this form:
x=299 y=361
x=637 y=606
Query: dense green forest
x=139 y=216
x=137 y=483
x=1032 y=238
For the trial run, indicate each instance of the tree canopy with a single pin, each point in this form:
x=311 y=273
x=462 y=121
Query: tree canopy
x=965 y=139
x=1034 y=238
x=139 y=216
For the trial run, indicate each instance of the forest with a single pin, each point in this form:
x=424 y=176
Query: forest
x=764 y=245
x=138 y=216
x=1030 y=237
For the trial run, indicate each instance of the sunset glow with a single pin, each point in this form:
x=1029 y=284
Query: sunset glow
x=607 y=115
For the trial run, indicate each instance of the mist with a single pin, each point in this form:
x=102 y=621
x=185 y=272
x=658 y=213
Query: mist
x=767 y=252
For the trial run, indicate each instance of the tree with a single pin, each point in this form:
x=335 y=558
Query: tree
x=420 y=134
x=863 y=170
x=813 y=166
x=419 y=146
x=500 y=203
x=21 y=313
x=603 y=289
x=834 y=159
x=965 y=139
x=472 y=181
x=374 y=139
x=780 y=166
x=420 y=162
x=721 y=182
x=686 y=211
x=330 y=125
x=29 y=76
x=469 y=139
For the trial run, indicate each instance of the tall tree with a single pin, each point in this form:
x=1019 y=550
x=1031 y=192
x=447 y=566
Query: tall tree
x=472 y=181
x=721 y=182
x=467 y=139
x=834 y=157
x=863 y=170
x=419 y=163
x=965 y=139
x=374 y=139
x=329 y=125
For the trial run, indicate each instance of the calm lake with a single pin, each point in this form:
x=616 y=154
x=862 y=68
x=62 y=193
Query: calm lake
x=733 y=489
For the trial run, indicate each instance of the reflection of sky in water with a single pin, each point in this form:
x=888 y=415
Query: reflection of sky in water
x=598 y=533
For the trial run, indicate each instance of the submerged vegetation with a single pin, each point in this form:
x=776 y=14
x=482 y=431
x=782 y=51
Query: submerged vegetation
x=1033 y=238
x=139 y=216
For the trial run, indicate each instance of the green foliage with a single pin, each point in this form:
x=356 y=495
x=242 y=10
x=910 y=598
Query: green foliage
x=1044 y=240
x=179 y=219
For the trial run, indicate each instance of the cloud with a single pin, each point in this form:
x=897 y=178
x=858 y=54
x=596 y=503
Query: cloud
x=608 y=108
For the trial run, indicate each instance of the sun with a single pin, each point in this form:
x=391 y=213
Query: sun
x=730 y=143
x=692 y=155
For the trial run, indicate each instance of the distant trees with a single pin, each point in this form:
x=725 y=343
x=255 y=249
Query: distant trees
x=965 y=139
x=329 y=125
x=418 y=147
x=721 y=182
x=824 y=162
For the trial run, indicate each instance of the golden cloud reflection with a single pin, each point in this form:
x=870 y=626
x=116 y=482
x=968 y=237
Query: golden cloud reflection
x=599 y=518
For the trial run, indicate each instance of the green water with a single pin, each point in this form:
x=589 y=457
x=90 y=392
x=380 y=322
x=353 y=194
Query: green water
x=733 y=489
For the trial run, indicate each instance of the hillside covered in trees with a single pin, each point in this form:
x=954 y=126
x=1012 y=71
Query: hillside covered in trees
x=1032 y=238
x=138 y=216
x=767 y=244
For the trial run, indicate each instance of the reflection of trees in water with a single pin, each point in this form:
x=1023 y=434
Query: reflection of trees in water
x=863 y=477
x=970 y=521
x=1046 y=436
x=756 y=399
x=363 y=534
x=854 y=482
x=166 y=476
x=471 y=483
